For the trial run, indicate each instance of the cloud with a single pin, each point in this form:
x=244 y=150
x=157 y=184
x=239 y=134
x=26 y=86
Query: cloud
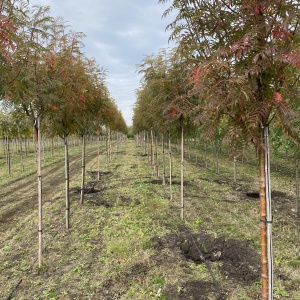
x=118 y=35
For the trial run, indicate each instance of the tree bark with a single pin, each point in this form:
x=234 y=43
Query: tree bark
x=156 y=156
x=20 y=149
x=297 y=186
x=163 y=160
x=234 y=169
x=67 y=183
x=82 y=170
x=8 y=158
x=37 y=135
x=265 y=217
x=152 y=146
x=170 y=168
x=98 y=157
x=182 y=174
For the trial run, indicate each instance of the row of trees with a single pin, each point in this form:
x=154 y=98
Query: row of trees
x=47 y=79
x=235 y=71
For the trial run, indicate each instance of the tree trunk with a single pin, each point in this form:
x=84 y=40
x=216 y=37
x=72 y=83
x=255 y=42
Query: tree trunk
x=181 y=174
x=163 y=160
x=152 y=146
x=156 y=156
x=170 y=168
x=82 y=170
x=217 y=156
x=269 y=214
x=109 y=146
x=98 y=157
x=205 y=155
x=297 y=186
x=8 y=154
x=67 y=183
x=52 y=148
x=145 y=142
x=234 y=169
x=265 y=218
x=21 y=149
x=148 y=149
x=37 y=133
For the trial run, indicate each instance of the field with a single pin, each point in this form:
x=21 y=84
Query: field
x=127 y=240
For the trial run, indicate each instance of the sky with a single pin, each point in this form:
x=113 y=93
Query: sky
x=119 y=34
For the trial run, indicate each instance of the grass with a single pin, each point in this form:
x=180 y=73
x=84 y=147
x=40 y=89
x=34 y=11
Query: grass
x=111 y=250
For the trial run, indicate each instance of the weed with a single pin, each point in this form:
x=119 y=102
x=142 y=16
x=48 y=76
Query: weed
x=159 y=281
x=79 y=270
x=50 y=294
x=85 y=237
x=280 y=292
x=7 y=248
x=294 y=263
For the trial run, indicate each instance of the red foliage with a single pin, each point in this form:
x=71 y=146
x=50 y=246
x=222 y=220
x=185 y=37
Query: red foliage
x=7 y=95
x=6 y=28
x=280 y=34
x=82 y=98
x=173 y=112
x=53 y=107
x=197 y=73
x=293 y=58
x=277 y=97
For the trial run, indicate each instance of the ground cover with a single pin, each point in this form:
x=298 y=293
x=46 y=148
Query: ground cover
x=127 y=241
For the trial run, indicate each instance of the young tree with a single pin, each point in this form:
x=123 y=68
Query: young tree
x=245 y=57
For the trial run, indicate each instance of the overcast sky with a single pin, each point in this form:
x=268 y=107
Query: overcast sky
x=119 y=34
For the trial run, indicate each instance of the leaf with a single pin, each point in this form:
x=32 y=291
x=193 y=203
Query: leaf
x=277 y=97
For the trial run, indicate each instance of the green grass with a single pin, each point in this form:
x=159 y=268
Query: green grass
x=109 y=249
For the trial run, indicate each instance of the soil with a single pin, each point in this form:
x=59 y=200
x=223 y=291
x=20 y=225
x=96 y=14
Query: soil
x=237 y=260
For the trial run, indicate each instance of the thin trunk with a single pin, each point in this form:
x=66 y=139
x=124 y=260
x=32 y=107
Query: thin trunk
x=263 y=223
x=265 y=217
x=39 y=177
x=109 y=146
x=52 y=148
x=26 y=146
x=4 y=145
x=98 y=157
x=205 y=155
x=82 y=170
x=234 y=169
x=148 y=149
x=181 y=174
x=21 y=149
x=297 y=185
x=269 y=214
x=106 y=145
x=163 y=160
x=217 y=157
x=170 y=168
x=145 y=143
x=8 y=156
x=67 y=181
x=151 y=147
x=156 y=156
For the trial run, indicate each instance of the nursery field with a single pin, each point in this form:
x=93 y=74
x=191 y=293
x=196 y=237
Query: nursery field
x=127 y=240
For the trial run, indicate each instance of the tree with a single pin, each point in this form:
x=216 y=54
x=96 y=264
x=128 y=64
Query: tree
x=245 y=61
